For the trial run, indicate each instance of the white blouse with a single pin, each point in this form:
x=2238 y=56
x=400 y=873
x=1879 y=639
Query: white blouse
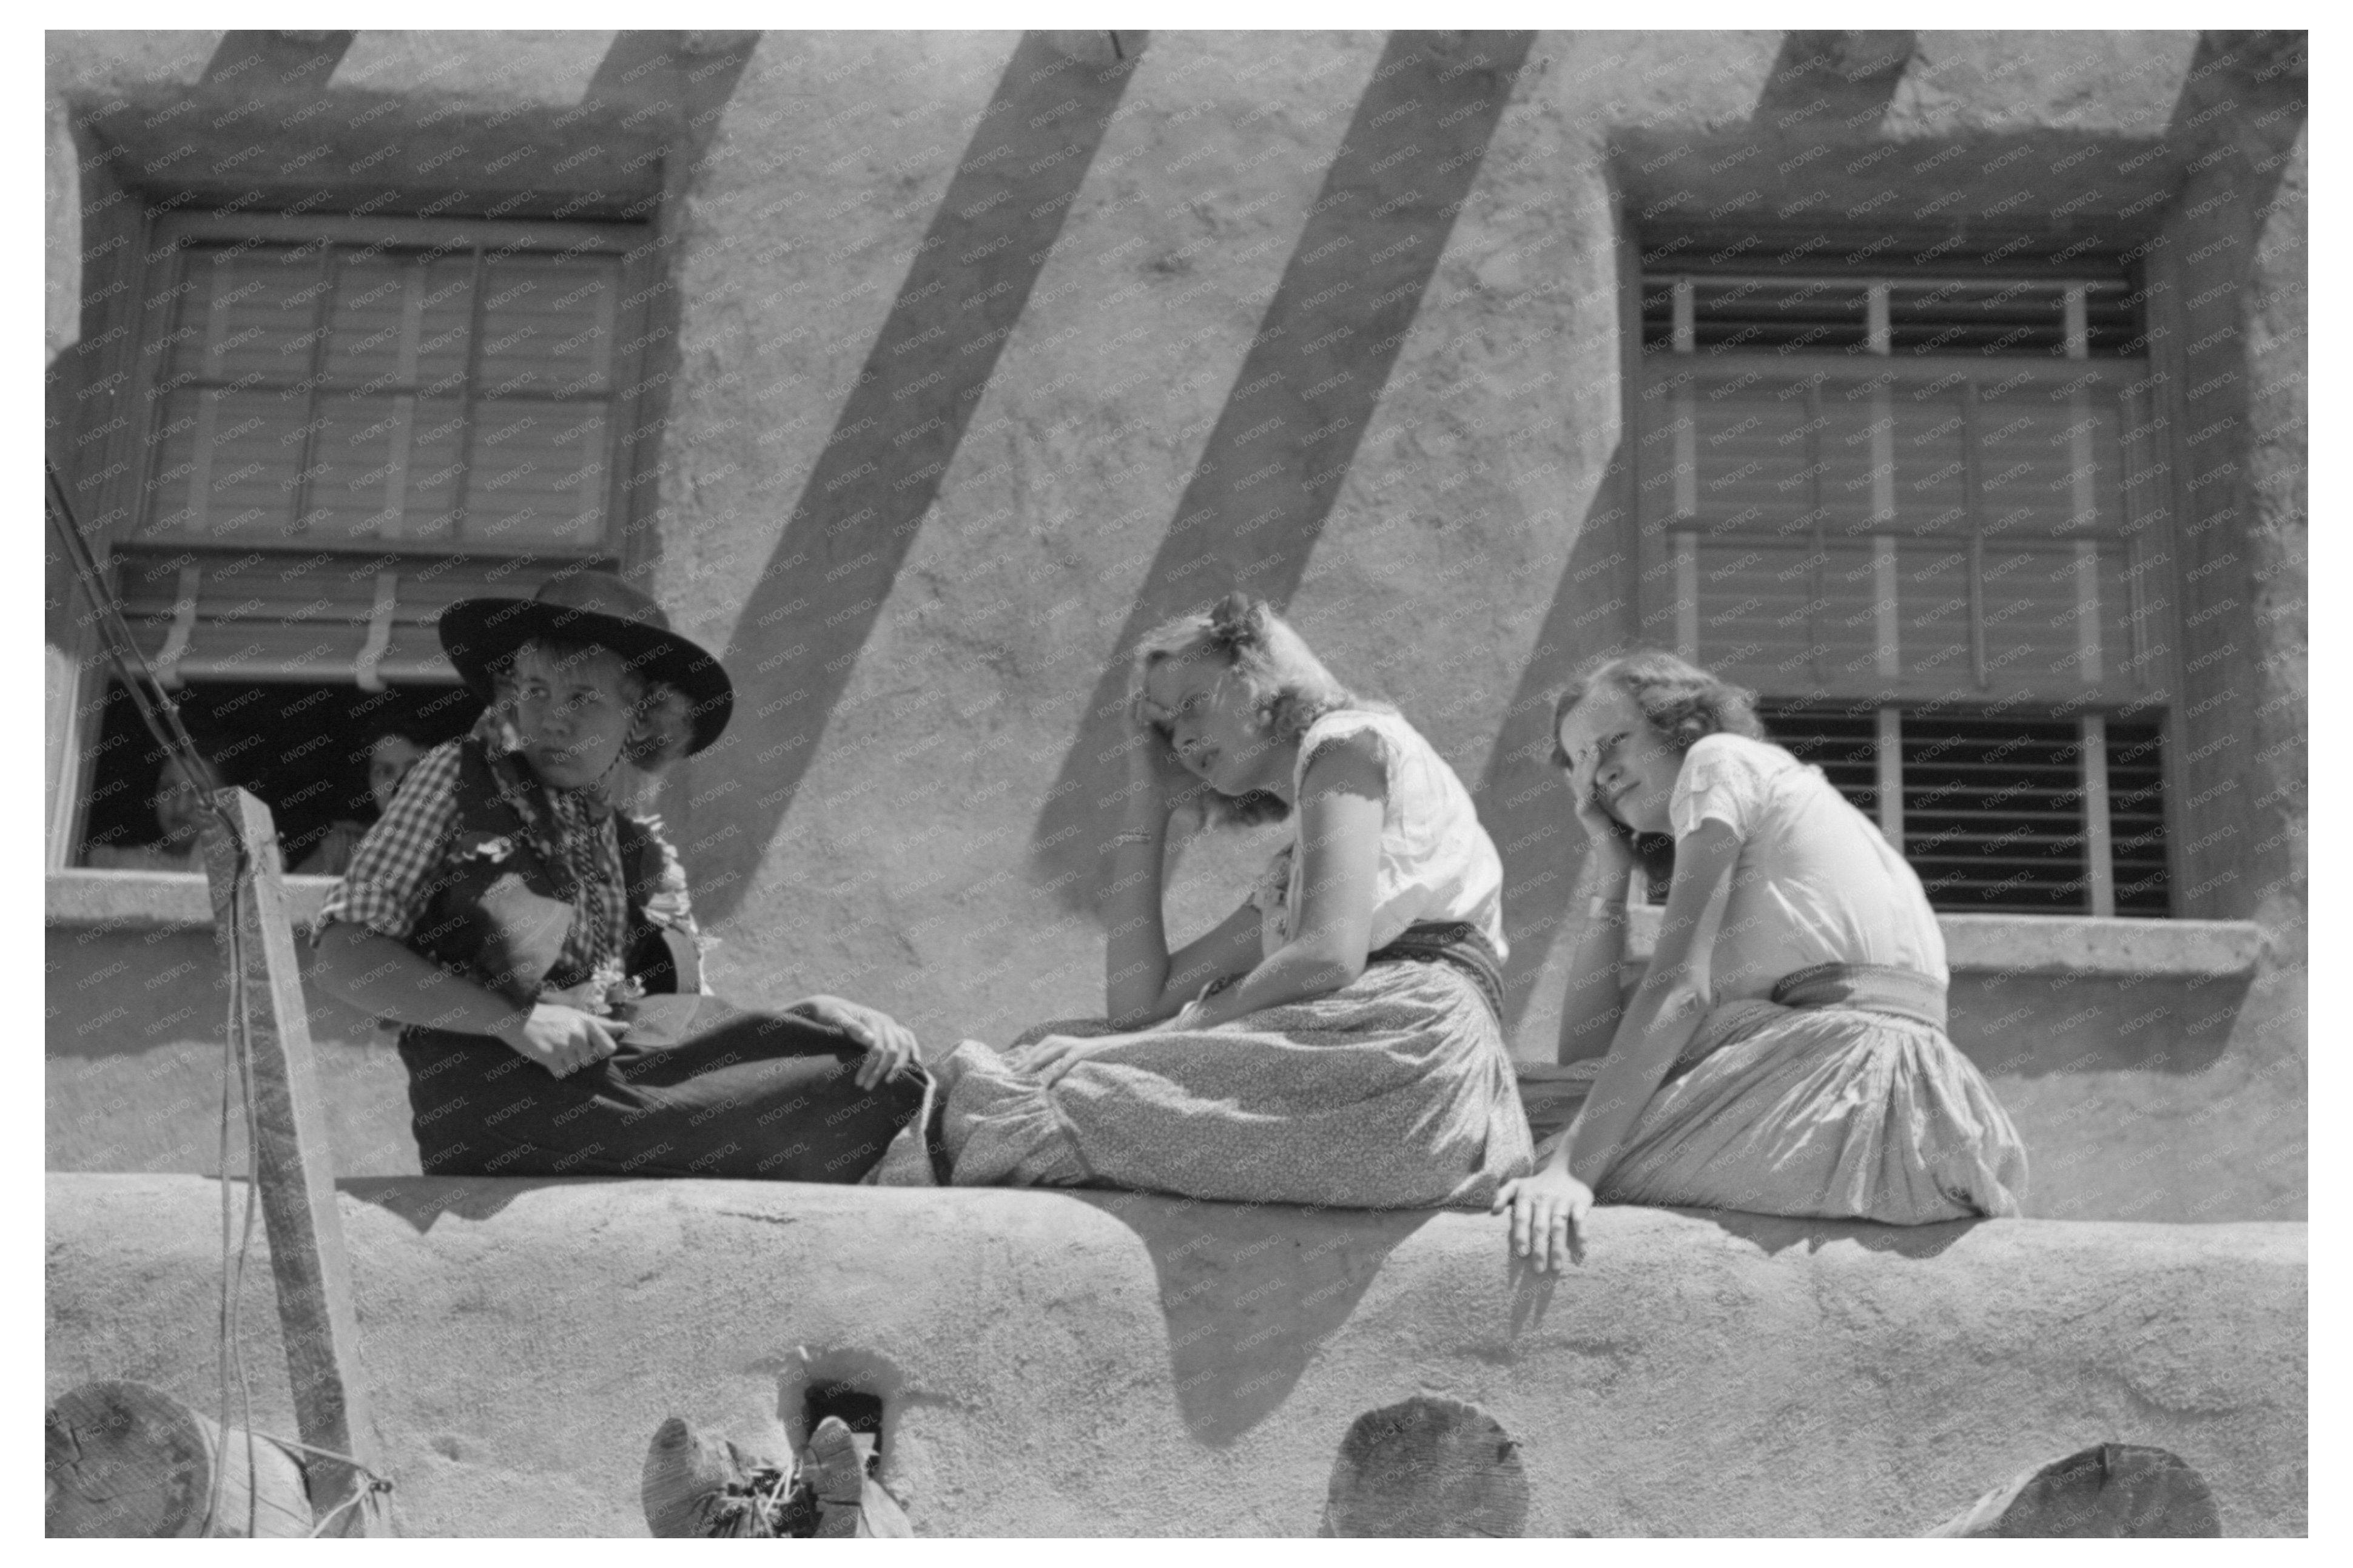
x=1437 y=863
x=1815 y=883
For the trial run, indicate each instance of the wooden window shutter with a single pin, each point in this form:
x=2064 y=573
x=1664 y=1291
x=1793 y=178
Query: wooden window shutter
x=361 y=395
x=325 y=617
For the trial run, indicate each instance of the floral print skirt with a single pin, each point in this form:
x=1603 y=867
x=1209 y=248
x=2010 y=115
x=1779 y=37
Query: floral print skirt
x=1395 y=1091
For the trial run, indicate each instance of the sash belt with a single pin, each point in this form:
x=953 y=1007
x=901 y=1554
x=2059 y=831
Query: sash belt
x=1874 y=987
x=1458 y=942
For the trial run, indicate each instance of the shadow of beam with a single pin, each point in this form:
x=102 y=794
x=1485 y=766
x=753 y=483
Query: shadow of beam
x=824 y=584
x=1847 y=78
x=1522 y=801
x=1251 y=1296
x=684 y=78
x=1266 y=481
x=267 y=64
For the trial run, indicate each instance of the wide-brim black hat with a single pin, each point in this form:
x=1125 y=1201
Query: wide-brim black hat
x=590 y=607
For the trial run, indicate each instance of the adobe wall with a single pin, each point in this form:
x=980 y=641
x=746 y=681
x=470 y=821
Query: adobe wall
x=1065 y=1364
x=901 y=811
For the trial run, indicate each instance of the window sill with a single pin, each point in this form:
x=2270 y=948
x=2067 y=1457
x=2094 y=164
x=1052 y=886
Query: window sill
x=154 y=900
x=2064 y=944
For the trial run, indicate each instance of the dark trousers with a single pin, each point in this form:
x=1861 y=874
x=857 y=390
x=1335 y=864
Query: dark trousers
x=748 y=1096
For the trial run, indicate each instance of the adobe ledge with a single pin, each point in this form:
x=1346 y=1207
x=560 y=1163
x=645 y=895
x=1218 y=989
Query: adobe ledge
x=154 y=901
x=2066 y=944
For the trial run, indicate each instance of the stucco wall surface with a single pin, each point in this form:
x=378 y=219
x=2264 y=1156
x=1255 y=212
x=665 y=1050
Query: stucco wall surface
x=915 y=692
x=1058 y=1363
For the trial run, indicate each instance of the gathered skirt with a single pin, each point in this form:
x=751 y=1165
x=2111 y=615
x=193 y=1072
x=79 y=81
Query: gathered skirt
x=1825 y=1113
x=1395 y=1091
x=746 y=1096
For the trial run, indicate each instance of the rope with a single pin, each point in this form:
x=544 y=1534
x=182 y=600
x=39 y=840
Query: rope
x=161 y=715
x=158 y=711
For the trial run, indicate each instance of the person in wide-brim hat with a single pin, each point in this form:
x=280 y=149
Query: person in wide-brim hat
x=505 y=905
x=593 y=609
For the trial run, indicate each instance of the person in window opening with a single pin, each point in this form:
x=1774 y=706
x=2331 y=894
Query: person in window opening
x=539 y=946
x=1337 y=1039
x=390 y=756
x=179 y=813
x=1784 y=1052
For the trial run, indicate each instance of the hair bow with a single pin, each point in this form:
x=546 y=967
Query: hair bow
x=1235 y=622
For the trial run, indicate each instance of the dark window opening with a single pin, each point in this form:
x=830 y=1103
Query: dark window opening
x=304 y=748
x=2003 y=814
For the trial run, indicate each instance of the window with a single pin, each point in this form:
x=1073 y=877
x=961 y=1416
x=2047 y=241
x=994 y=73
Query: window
x=386 y=386
x=1916 y=514
x=350 y=424
x=305 y=749
x=1999 y=814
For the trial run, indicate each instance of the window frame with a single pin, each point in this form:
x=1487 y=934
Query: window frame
x=2149 y=435
x=141 y=261
x=170 y=235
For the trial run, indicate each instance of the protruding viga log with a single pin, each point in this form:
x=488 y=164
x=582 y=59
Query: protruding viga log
x=1427 y=1466
x=850 y=1503
x=683 y=1467
x=2113 y=1490
x=686 y=1472
x=125 y=1459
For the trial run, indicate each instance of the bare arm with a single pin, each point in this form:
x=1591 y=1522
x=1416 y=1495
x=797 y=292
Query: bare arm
x=1232 y=947
x=1668 y=1006
x=1340 y=804
x=1143 y=983
x=379 y=975
x=1592 y=1004
x=374 y=972
x=1549 y=1208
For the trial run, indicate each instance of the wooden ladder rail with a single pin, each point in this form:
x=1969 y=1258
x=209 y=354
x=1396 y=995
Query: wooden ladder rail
x=297 y=1171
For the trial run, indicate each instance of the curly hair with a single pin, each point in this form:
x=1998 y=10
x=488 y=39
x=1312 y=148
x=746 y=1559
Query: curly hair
x=1681 y=702
x=1288 y=685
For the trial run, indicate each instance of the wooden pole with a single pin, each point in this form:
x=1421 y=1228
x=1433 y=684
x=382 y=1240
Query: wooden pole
x=297 y=1166
x=125 y=1459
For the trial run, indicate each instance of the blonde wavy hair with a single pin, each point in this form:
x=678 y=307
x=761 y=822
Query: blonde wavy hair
x=1290 y=688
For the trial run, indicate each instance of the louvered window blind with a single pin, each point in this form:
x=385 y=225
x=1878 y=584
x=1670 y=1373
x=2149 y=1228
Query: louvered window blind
x=357 y=422
x=1923 y=518
x=1999 y=813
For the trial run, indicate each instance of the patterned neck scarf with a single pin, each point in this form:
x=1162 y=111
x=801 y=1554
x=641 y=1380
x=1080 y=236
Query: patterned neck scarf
x=573 y=829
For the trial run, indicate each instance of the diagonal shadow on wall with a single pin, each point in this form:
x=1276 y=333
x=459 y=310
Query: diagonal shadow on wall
x=1251 y=1295
x=824 y=586
x=1521 y=798
x=267 y=63
x=1266 y=481
x=1833 y=77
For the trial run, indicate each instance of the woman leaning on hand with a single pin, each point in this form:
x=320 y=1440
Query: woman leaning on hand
x=1786 y=1052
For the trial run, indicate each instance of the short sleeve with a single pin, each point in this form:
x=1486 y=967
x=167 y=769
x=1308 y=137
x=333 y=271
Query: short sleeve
x=1347 y=724
x=389 y=878
x=1722 y=780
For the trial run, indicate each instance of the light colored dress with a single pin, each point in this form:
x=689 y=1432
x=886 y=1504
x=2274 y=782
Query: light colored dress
x=1395 y=1091
x=1835 y=1111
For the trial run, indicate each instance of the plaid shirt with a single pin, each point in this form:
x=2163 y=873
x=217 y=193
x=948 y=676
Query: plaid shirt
x=390 y=879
